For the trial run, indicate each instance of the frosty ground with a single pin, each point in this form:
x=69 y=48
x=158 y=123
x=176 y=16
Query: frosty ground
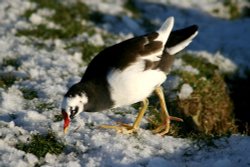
x=51 y=71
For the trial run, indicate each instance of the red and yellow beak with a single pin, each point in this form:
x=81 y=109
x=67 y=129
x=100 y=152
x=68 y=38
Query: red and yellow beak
x=66 y=121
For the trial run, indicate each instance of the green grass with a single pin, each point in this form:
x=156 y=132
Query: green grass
x=29 y=94
x=44 y=106
x=58 y=118
x=42 y=31
x=7 y=80
x=88 y=50
x=14 y=62
x=233 y=8
x=131 y=6
x=40 y=145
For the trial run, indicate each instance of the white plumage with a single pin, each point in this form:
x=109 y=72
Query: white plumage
x=133 y=84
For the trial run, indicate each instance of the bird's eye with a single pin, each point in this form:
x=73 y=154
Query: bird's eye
x=73 y=111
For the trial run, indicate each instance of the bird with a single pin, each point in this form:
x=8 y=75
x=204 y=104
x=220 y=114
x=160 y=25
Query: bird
x=127 y=73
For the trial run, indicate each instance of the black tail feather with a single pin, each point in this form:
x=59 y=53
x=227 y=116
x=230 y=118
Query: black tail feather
x=178 y=36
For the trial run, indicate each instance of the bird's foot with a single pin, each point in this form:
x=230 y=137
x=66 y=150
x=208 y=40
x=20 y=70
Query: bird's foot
x=164 y=127
x=121 y=128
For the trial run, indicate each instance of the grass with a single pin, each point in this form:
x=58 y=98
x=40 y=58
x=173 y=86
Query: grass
x=88 y=50
x=7 y=80
x=44 y=106
x=130 y=5
x=14 y=62
x=58 y=118
x=29 y=94
x=233 y=8
x=40 y=145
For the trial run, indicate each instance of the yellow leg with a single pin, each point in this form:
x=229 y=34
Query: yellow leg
x=125 y=128
x=166 y=118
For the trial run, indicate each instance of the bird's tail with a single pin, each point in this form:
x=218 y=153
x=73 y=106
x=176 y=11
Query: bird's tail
x=175 y=41
x=180 y=39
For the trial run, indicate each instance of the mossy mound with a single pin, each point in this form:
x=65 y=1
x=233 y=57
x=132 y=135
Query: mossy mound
x=209 y=108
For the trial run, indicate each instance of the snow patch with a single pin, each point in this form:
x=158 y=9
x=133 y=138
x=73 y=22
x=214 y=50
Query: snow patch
x=11 y=101
x=224 y=64
x=35 y=116
x=180 y=65
x=32 y=159
x=185 y=91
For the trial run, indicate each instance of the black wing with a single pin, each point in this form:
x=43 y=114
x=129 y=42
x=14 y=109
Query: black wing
x=121 y=55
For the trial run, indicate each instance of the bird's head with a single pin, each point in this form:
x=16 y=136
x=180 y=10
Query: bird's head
x=72 y=105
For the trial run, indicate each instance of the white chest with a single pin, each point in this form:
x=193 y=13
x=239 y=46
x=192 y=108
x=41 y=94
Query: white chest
x=133 y=84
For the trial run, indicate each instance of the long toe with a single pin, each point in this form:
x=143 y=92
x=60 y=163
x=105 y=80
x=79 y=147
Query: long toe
x=120 y=128
x=158 y=129
x=163 y=128
x=164 y=132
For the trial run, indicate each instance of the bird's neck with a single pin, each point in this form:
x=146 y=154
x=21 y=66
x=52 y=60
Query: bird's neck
x=98 y=96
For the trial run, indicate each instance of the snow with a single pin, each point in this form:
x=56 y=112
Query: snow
x=221 y=41
x=225 y=65
x=180 y=65
x=36 y=19
x=11 y=100
x=185 y=92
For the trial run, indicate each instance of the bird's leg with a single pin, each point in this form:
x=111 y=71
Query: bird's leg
x=126 y=128
x=144 y=106
x=164 y=127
